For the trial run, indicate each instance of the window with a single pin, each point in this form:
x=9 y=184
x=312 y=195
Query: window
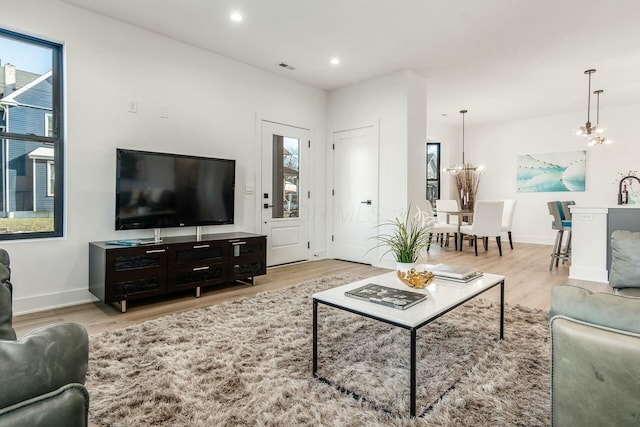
x=31 y=138
x=433 y=172
x=286 y=176
x=51 y=179
x=48 y=125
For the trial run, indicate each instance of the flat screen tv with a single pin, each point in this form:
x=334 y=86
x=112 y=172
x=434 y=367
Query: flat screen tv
x=159 y=190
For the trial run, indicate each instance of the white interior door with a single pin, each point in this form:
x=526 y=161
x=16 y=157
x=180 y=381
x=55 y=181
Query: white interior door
x=284 y=195
x=355 y=194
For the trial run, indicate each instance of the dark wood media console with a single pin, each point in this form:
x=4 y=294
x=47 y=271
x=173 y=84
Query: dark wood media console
x=118 y=274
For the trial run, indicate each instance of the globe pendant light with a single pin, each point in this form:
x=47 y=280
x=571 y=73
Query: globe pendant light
x=587 y=130
x=599 y=138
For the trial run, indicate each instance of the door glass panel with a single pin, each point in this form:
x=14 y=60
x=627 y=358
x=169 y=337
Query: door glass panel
x=286 y=174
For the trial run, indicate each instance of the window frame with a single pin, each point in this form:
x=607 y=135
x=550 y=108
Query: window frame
x=56 y=140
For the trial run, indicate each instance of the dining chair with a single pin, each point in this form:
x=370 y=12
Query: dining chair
x=447 y=205
x=507 y=218
x=487 y=222
x=442 y=230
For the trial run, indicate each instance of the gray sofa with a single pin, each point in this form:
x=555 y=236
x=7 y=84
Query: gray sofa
x=595 y=356
x=41 y=374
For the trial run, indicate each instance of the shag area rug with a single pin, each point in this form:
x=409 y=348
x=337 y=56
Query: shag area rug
x=248 y=363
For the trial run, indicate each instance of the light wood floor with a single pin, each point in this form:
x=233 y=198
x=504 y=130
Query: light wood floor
x=528 y=282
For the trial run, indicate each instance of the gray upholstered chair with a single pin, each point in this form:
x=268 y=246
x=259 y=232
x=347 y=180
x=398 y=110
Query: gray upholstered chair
x=595 y=349
x=561 y=214
x=41 y=374
x=624 y=273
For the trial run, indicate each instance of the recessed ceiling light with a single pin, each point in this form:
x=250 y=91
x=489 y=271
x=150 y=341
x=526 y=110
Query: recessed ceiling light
x=236 y=17
x=335 y=61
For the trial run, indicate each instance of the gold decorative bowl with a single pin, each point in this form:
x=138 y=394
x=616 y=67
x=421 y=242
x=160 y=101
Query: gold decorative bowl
x=416 y=279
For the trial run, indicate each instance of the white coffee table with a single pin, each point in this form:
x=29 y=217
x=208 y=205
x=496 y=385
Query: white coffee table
x=443 y=296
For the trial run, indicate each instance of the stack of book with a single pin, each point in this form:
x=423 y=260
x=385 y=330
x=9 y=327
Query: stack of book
x=385 y=295
x=456 y=273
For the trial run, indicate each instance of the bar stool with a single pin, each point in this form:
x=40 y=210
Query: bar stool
x=561 y=214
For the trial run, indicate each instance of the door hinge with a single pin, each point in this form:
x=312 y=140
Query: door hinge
x=332 y=237
x=333 y=192
x=308 y=194
x=309 y=143
x=308 y=245
x=333 y=146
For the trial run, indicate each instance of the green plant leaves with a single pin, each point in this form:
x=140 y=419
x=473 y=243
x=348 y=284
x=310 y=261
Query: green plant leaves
x=407 y=238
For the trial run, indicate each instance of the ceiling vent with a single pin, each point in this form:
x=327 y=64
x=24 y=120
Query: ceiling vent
x=287 y=66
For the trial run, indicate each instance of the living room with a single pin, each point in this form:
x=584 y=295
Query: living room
x=211 y=86
x=216 y=105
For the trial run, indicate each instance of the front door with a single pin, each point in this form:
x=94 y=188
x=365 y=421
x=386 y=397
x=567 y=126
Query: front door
x=284 y=195
x=355 y=194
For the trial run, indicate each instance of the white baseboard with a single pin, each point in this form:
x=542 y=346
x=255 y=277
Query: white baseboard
x=588 y=273
x=50 y=301
x=536 y=240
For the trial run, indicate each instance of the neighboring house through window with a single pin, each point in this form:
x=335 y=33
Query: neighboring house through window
x=31 y=138
x=51 y=179
x=433 y=172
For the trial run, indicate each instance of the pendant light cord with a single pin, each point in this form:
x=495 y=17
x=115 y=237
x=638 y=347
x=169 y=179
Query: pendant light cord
x=463 y=113
x=589 y=72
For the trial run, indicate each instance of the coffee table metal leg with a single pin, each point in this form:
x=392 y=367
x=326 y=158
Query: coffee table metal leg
x=315 y=337
x=412 y=374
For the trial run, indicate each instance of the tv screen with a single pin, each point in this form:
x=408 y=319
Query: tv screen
x=159 y=190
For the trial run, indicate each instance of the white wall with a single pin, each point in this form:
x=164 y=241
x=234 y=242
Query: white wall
x=416 y=140
x=213 y=104
x=383 y=100
x=497 y=146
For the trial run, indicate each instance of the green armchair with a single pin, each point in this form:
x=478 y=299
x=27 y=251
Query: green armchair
x=595 y=349
x=41 y=374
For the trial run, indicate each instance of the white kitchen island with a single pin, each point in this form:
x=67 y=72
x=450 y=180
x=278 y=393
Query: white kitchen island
x=591 y=228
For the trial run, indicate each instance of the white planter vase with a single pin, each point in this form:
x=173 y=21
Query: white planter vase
x=405 y=266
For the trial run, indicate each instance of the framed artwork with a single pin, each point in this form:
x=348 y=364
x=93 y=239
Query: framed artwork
x=551 y=172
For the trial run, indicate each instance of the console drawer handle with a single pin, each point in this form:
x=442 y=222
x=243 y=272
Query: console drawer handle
x=200 y=268
x=200 y=246
x=155 y=251
x=239 y=243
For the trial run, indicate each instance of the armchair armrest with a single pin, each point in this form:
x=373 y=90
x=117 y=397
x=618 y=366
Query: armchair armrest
x=67 y=406
x=42 y=361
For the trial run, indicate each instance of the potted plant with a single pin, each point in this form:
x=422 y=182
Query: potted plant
x=406 y=237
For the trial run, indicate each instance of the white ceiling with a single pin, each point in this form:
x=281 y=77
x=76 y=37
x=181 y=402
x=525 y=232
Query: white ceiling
x=500 y=59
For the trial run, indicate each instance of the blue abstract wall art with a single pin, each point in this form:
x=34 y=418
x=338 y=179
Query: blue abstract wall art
x=551 y=172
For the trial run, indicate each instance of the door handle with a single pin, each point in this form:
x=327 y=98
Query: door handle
x=366 y=202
